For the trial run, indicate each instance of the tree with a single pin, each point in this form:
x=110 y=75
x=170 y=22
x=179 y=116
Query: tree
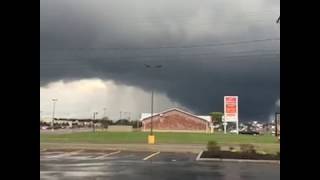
x=136 y=124
x=105 y=123
x=105 y=118
x=216 y=117
x=122 y=122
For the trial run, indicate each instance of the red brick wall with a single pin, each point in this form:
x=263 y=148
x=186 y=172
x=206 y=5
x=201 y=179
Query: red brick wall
x=175 y=120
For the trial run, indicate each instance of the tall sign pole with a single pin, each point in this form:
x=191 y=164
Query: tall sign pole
x=224 y=125
x=231 y=110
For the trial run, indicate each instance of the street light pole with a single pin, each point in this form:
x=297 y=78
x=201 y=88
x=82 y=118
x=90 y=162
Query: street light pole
x=104 y=118
x=53 y=112
x=152 y=94
x=104 y=112
x=277 y=123
x=151 y=132
x=93 y=124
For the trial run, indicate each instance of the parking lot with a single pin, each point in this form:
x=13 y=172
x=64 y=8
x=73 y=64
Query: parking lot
x=115 y=164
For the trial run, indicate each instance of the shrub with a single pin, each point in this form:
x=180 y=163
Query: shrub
x=247 y=148
x=213 y=146
x=278 y=154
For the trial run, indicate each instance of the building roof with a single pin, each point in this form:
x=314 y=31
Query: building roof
x=208 y=118
x=144 y=115
x=147 y=115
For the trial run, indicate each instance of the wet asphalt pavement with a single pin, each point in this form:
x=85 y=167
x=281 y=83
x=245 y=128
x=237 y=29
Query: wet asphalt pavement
x=117 y=165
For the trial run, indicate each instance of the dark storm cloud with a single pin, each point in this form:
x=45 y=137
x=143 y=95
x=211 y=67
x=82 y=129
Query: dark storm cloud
x=114 y=39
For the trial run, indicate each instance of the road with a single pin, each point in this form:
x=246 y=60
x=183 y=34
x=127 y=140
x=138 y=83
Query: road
x=123 y=165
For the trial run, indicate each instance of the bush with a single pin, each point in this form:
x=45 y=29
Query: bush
x=278 y=154
x=213 y=146
x=247 y=148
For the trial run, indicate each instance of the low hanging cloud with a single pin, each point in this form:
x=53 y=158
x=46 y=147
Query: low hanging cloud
x=208 y=49
x=79 y=99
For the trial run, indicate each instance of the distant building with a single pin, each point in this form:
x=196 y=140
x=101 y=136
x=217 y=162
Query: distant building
x=176 y=120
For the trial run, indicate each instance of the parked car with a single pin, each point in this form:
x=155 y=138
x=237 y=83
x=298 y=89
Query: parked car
x=233 y=131
x=44 y=127
x=249 y=132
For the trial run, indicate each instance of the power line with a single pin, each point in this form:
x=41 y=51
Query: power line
x=217 y=55
x=228 y=59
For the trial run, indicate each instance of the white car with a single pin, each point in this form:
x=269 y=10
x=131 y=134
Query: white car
x=233 y=131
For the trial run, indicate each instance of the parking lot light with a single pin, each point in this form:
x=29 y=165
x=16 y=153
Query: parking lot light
x=53 y=113
x=151 y=137
x=93 y=124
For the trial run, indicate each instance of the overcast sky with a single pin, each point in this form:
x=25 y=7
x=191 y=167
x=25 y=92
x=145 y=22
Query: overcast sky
x=92 y=56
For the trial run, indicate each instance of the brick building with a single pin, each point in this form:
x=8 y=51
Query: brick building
x=176 y=120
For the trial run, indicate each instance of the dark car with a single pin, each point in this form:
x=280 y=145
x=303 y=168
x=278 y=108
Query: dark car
x=249 y=132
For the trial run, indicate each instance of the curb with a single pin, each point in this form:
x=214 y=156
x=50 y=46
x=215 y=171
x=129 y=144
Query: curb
x=124 y=147
x=236 y=160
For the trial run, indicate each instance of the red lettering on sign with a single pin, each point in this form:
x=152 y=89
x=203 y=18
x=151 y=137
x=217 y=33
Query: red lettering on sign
x=231 y=99
x=231 y=108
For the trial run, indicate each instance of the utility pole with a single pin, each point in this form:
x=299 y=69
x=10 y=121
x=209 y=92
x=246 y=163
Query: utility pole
x=120 y=115
x=53 y=113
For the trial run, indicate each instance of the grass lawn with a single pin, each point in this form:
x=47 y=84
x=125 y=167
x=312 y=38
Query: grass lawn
x=161 y=137
x=267 y=143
